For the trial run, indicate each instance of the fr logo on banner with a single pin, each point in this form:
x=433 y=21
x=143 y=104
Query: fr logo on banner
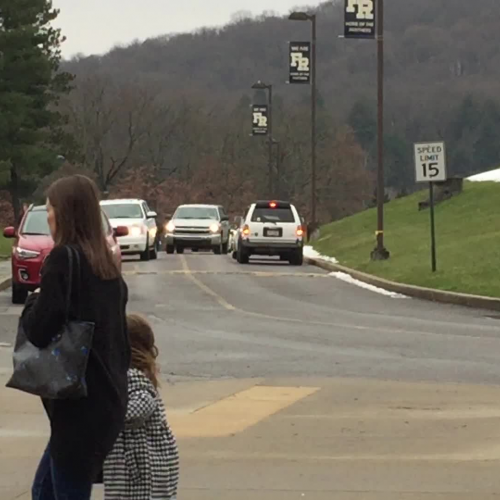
x=359 y=21
x=300 y=62
x=260 y=119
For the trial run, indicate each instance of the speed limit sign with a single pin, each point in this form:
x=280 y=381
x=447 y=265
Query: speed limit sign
x=430 y=162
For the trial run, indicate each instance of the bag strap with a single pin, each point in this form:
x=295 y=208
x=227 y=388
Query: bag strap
x=79 y=281
x=69 y=251
x=74 y=264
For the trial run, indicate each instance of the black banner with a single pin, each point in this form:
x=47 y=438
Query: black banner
x=260 y=119
x=300 y=62
x=359 y=21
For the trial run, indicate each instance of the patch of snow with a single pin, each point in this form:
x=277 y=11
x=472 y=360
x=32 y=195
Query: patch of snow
x=491 y=176
x=349 y=279
x=313 y=254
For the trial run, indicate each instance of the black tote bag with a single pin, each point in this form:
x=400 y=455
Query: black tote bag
x=58 y=370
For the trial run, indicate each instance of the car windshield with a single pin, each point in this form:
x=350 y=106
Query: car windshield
x=36 y=224
x=123 y=211
x=196 y=213
x=273 y=215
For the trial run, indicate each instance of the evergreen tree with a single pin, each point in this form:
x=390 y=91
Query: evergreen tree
x=31 y=135
x=487 y=146
x=362 y=120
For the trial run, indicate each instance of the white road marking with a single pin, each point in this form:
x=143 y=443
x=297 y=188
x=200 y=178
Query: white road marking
x=259 y=274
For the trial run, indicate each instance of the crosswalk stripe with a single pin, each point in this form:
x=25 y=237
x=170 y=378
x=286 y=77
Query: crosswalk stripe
x=239 y=412
x=230 y=415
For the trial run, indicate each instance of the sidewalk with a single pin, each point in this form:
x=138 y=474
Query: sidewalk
x=294 y=439
x=5 y=274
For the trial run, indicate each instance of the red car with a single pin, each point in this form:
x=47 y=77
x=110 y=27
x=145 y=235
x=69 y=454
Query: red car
x=32 y=245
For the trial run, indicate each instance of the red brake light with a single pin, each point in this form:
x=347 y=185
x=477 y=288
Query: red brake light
x=273 y=204
x=246 y=230
x=300 y=231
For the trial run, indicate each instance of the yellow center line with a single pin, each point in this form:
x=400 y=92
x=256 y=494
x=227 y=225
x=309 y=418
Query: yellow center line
x=223 y=302
x=229 y=307
x=226 y=305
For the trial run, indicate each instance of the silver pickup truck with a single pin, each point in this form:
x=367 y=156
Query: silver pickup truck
x=198 y=227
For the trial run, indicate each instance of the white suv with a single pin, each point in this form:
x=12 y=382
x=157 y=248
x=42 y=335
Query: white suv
x=270 y=228
x=141 y=223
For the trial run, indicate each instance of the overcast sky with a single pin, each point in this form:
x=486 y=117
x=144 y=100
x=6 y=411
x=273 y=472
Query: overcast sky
x=94 y=26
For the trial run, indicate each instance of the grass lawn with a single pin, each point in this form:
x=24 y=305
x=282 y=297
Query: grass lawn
x=5 y=246
x=467 y=234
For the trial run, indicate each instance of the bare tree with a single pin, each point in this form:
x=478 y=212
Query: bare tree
x=109 y=121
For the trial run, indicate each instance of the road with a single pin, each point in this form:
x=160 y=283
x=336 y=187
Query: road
x=284 y=382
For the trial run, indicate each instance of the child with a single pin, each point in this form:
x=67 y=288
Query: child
x=144 y=463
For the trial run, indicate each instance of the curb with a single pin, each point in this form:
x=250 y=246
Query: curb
x=418 y=292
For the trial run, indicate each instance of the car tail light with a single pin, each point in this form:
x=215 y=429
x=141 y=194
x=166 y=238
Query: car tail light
x=246 y=230
x=273 y=204
x=300 y=231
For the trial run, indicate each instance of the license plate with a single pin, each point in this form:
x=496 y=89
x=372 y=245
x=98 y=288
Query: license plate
x=273 y=233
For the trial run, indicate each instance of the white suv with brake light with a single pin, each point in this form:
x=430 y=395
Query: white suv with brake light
x=270 y=228
x=141 y=223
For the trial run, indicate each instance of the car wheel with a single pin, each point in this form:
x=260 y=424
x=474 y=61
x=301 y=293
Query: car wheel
x=242 y=256
x=180 y=249
x=153 y=254
x=146 y=255
x=297 y=258
x=170 y=249
x=19 y=294
x=217 y=249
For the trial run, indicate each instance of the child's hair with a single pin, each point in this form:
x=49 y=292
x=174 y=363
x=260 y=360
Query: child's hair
x=142 y=344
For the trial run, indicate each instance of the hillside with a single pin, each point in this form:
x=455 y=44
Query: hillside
x=178 y=105
x=467 y=241
x=427 y=43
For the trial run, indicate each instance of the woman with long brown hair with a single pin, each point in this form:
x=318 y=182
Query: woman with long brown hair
x=83 y=431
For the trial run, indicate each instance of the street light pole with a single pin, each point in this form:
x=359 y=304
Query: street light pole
x=270 y=140
x=313 y=124
x=380 y=252
x=304 y=16
x=278 y=168
x=264 y=86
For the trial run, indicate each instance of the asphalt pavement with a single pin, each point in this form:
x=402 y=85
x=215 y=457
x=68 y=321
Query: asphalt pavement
x=284 y=382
